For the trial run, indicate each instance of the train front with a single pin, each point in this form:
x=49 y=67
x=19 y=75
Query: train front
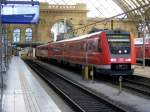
x=122 y=54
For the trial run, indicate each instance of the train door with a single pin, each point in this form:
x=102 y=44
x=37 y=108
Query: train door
x=49 y=50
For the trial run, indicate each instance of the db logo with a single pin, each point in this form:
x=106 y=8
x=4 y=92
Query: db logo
x=121 y=59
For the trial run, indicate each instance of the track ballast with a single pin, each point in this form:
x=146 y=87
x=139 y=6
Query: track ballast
x=81 y=99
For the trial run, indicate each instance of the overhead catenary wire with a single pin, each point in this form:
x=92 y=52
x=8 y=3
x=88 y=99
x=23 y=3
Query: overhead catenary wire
x=106 y=19
x=96 y=8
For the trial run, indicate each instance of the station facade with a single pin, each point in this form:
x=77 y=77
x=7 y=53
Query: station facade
x=76 y=15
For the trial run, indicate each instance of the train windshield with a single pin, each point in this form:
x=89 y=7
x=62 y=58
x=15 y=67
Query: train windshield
x=119 y=44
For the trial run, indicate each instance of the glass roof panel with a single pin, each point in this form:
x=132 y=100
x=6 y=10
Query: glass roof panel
x=103 y=8
x=137 y=4
x=132 y=4
x=147 y=1
x=97 y=8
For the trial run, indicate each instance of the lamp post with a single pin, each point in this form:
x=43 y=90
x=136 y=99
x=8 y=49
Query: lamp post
x=65 y=27
x=144 y=35
x=1 y=53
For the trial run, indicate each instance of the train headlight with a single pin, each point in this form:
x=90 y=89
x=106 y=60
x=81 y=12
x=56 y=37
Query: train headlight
x=125 y=51
x=113 y=60
x=119 y=51
x=128 y=60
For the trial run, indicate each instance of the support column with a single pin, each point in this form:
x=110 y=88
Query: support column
x=1 y=56
x=112 y=24
x=86 y=72
x=144 y=35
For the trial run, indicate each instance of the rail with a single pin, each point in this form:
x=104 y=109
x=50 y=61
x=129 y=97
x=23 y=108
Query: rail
x=139 y=84
x=133 y=83
x=81 y=99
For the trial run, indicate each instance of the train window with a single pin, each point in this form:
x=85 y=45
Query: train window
x=66 y=47
x=119 y=43
x=119 y=47
x=44 y=48
x=78 y=47
x=82 y=46
x=92 y=45
x=99 y=46
x=75 y=46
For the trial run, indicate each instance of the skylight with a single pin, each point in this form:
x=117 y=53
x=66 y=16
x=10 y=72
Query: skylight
x=97 y=8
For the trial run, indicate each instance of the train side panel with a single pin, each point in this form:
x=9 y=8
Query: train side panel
x=139 y=50
x=97 y=49
x=110 y=52
x=74 y=51
x=42 y=51
x=56 y=50
x=49 y=50
x=147 y=52
x=93 y=52
x=133 y=52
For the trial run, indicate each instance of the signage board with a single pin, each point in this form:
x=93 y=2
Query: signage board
x=139 y=41
x=20 y=13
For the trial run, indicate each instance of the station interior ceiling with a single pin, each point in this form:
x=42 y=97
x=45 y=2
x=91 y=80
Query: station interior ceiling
x=106 y=8
x=97 y=10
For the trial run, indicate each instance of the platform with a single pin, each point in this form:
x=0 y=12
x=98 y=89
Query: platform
x=133 y=102
x=144 y=72
x=24 y=93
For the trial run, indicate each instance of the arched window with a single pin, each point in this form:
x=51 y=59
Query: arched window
x=61 y=30
x=16 y=35
x=28 y=35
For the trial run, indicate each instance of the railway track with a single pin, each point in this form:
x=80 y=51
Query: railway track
x=139 y=84
x=134 y=84
x=80 y=98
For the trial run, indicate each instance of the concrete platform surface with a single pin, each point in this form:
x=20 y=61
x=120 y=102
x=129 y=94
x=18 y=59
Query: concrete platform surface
x=144 y=72
x=23 y=93
x=133 y=102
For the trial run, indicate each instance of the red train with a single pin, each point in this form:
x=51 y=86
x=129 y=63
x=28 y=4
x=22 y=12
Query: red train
x=109 y=51
x=139 y=49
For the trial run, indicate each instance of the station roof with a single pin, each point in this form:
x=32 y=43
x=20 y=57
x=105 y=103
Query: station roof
x=109 y=8
x=126 y=5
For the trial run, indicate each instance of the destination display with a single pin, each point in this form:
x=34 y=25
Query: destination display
x=118 y=36
x=20 y=13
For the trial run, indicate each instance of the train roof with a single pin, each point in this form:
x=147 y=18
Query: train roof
x=42 y=45
x=110 y=32
x=79 y=37
x=116 y=31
